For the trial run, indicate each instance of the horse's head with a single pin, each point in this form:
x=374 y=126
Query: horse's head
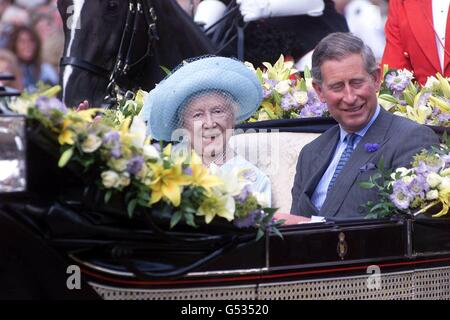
x=143 y=35
x=92 y=34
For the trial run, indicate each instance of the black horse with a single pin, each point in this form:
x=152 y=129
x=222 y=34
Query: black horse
x=124 y=43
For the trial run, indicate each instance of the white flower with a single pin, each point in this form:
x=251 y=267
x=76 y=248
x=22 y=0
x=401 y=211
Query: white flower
x=110 y=179
x=91 y=143
x=233 y=181
x=432 y=83
x=432 y=194
x=250 y=66
x=309 y=85
x=117 y=164
x=402 y=170
x=283 y=87
x=445 y=184
x=20 y=105
x=407 y=73
x=445 y=172
x=407 y=179
x=426 y=110
x=138 y=131
x=301 y=97
x=261 y=198
x=150 y=152
x=124 y=179
x=434 y=180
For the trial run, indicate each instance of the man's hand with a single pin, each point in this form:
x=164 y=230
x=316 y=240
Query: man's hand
x=291 y=219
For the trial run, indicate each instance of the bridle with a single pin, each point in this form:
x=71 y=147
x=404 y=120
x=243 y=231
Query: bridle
x=137 y=10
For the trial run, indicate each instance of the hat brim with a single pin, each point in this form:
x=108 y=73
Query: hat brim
x=217 y=73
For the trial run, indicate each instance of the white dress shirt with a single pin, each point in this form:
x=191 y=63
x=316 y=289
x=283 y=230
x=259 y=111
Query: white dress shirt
x=440 y=12
x=319 y=195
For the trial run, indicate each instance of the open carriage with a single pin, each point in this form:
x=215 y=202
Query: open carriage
x=397 y=258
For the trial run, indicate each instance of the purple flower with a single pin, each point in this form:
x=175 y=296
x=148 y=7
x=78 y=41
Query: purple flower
x=423 y=99
x=397 y=83
x=47 y=105
x=446 y=159
x=444 y=117
x=188 y=171
x=250 y=220
x=371 y=147
x=111 y=137
x=268 y=92
x=419 y=186
x=243 y=195
x=135 y=165
x=288 y=102
x=314 y=109
x=112 y=140
x=115 y=152
x=401 y=197
x=422 y=168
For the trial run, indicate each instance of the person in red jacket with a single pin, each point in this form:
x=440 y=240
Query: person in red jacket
x=416 y=37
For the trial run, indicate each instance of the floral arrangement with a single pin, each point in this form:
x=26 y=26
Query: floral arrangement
x=428 y=104
x=286 y=94
x=416 y=190
x=113 y=145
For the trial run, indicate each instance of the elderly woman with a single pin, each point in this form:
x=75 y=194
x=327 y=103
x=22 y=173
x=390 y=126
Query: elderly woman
x=198 y=104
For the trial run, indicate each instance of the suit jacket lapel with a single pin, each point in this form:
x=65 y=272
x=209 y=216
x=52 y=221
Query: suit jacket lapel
x=420 y=17
x=375 y=134
x=321 y=161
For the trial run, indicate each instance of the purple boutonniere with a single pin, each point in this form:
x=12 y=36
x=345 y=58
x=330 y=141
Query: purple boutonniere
x=371 y=147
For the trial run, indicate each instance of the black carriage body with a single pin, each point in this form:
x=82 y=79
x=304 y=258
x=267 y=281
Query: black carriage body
x=119 y=258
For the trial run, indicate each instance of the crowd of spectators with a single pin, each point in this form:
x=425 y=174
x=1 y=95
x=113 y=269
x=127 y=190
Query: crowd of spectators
x=31 y=42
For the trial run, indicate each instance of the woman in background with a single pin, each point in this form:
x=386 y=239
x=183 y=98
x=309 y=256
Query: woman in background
x=26 y=45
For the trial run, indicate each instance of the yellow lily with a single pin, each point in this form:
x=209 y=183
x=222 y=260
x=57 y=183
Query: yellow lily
x=217 y=204
x=67 y=136
x=441 y=104
x=88 y=114
x=167 y=183
x=201 y=176
x=444 y=198
x=445 y=86
x=419 y=114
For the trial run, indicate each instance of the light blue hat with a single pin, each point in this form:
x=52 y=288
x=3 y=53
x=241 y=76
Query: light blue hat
x=164 y=102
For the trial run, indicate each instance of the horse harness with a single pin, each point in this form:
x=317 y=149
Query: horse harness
x=137 y=9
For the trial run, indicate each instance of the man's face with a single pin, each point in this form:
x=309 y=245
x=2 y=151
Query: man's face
x=209 y=119
x=349 y=91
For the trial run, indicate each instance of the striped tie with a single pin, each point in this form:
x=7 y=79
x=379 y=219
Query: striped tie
x=350 y=140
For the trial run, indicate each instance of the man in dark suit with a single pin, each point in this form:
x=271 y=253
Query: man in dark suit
x=330 y=169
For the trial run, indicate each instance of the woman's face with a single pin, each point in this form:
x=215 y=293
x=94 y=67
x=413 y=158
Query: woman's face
x=209 y=120
x=25 y=47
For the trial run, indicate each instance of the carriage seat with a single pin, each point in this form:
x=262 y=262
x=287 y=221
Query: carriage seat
x=276 y=154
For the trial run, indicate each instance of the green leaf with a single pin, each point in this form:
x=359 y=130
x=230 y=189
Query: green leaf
x=130 y=207
x=65 y=157
x=259 y=234
x=175 y=219
x=270 y=210
x=166 y=71
x=307 y=73
x=366 y=185
x=108 y=195
x=380 y=164
x=277 y=232
x=190 y=220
